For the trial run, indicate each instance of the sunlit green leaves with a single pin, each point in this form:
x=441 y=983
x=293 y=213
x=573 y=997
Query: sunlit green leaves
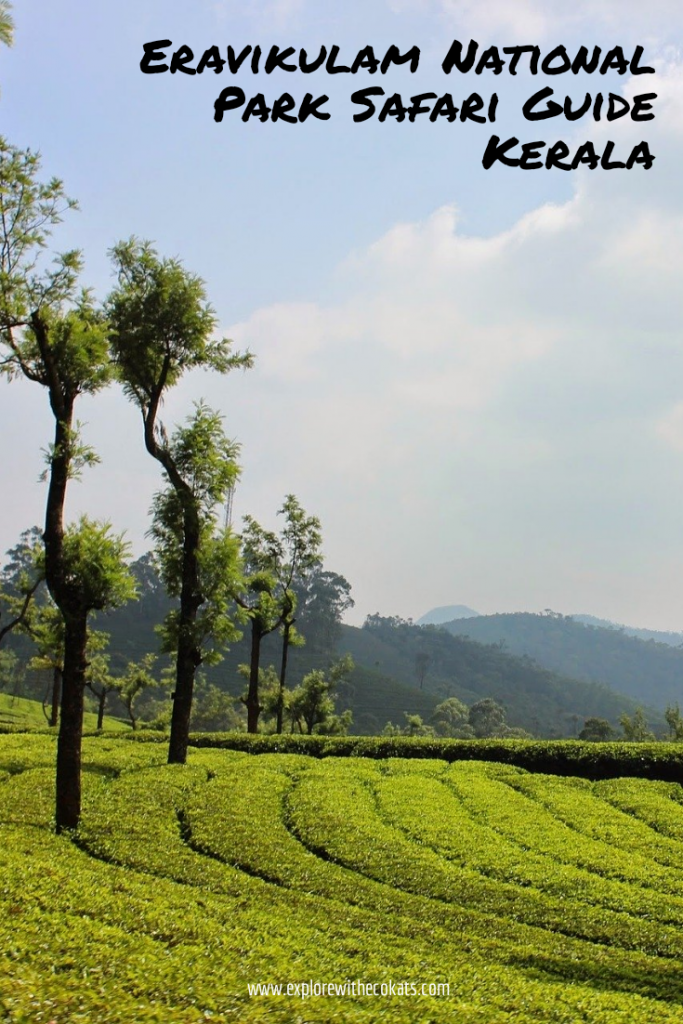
x=189 y=882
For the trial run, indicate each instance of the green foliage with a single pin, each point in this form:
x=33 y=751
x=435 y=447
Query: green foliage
x=537 y=899
x=311 y=705
x=29 y=209
x=207 y=460
x=20 y=580
x=130 y=685
x=161 y=323
x=261 y=555
x=414 y=726
x=674 y=720
x=487 y=718
x=202 y=455
x=275 y=562
x=451 y=718
x=96 y=565
x=597 y=730
x=635 y=727
x=6 y=23
x=322 y=597
x=214 y=711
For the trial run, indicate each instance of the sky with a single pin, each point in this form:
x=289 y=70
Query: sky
x=473 y=377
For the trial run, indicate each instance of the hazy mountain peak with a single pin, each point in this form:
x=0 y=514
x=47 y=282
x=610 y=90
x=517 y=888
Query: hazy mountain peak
x=446 y=613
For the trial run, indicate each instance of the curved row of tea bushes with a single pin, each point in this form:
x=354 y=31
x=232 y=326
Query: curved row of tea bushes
x=573 y=802
x=658 y=804
x=186 y=882
x=428 y=811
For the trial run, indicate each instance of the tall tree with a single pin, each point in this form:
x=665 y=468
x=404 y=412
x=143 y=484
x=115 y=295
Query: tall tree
x=322 y=599
x=162 y=326
x=95 y=576
x=56 y=337
x=300 y=553
x=259 y=600
x=205 y=576
x=272 y=563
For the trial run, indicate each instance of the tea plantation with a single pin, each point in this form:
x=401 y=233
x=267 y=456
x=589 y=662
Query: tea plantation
x=536 y=898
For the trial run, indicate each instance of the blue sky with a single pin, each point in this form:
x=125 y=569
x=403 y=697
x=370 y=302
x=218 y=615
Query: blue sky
x=473 y=377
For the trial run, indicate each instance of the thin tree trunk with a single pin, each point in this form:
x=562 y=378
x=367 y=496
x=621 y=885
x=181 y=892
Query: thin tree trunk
x=68 y=804
x=252 y=701
x=100 y=708
x=189 y=657
x=182 y=704
x=45 y=699
x=283 y=674
x=56 y=694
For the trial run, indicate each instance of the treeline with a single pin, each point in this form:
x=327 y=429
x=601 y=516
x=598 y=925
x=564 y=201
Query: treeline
x=647 y=671
x=155 y=326
x=536 y=699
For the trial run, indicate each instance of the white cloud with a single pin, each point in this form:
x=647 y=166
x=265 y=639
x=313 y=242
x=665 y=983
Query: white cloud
x=481 y=393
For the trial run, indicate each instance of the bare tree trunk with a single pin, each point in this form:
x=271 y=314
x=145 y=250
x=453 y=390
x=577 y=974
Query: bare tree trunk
x=283 y=674
x=252 y=701
x=100 y=707
x=182 y=705
x=189 y=657
x=68 y=804
x=56 y=694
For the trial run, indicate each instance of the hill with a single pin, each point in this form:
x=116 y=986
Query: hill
x=542 y=701
x=646 y=671
x=446 y=613
x=659 y=636
x=400 y=668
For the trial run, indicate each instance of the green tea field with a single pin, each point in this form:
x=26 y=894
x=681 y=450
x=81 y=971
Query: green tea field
x=527 y=898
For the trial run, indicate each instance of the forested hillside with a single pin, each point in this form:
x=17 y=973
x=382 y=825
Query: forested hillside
x=649 y=672
x=541 y=701
x=400 y=668
x=659 y=636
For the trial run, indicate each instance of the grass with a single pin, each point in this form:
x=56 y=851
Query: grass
x=535 y=898
x=28 y=714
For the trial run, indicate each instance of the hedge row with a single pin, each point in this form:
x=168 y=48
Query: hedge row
x=662 y=761
x=595 y=761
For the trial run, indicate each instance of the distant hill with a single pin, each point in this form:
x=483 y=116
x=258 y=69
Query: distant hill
x=544 y=702
x=660 y=637
x=644 y=670
x=400 y=667
x=446 y=613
